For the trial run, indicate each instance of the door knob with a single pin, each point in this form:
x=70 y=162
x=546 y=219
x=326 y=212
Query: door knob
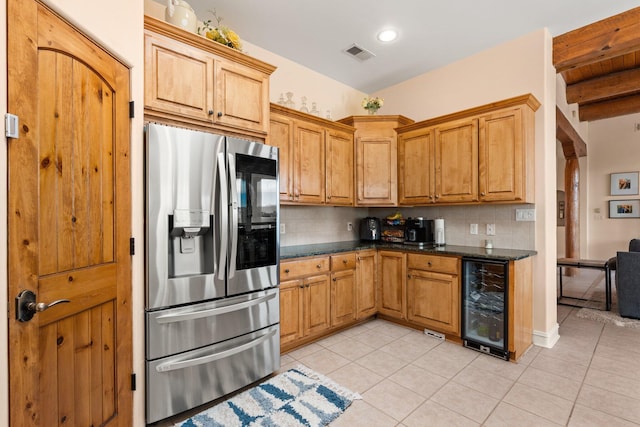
x=26 y=305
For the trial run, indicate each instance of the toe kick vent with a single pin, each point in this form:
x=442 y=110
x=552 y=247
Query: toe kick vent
x=359 y=52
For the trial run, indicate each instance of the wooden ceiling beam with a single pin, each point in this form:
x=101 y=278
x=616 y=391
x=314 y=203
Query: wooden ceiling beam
x=573 y=146
x=612 y=85
x=610 y=37
x=611 y=108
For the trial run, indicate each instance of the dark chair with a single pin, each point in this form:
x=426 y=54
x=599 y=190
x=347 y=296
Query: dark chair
x=634 y=246
x=627 y=266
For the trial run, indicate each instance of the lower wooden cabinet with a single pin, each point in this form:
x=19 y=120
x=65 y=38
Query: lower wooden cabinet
x=366 y=283
x=343 y=289
x=315 y=307
x=304 y=299
x=321 y=294
x=291 y=311
x=433 y=292
x=392 y=269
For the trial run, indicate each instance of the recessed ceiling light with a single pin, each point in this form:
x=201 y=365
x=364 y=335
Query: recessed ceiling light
x=387 y=35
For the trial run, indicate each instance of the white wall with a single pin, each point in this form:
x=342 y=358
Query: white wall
x=517 y=67
x=614 y=146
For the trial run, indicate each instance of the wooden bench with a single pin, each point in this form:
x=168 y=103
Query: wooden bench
x=586 y=263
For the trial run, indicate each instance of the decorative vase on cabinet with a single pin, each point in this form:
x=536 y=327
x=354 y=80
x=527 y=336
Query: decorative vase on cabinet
x=180 y=13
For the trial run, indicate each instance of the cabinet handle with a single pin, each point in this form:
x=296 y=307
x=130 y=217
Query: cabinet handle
x=211 y=112
x=408 y=276
x=286 y=270
x=319 y=266
x=344 y=261
x=335 y=280
x=219 y=113
x=429 y=263
x=301 y=286
x=329 y=196
x=307 y=286
x=437 y=196
x=482 y=194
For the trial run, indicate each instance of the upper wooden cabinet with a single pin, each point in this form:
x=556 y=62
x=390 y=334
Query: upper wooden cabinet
x=456 y=161
x=376 y=182
x=339 y=168
x=190 y=79
x=316 y=158
x=480 y=155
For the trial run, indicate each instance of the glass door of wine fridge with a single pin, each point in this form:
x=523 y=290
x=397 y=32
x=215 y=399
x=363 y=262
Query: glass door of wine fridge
x=485 y=306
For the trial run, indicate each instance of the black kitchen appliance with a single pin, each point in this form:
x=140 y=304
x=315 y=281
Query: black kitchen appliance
x=419 y=231
x=370 y=228
x=485 y=306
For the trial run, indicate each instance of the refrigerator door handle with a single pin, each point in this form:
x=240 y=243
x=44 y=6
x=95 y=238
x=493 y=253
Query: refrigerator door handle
x=172 y=366
x=224 y=217
x=233 y=213
x=181 y=317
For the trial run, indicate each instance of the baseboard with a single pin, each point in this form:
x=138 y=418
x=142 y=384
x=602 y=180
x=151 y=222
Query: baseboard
x=547 y=339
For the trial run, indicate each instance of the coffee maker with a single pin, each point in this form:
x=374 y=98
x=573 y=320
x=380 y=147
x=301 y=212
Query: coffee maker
x=419 y=231
x=370 y=228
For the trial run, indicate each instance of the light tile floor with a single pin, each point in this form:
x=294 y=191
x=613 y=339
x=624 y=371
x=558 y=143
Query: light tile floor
x=590 y=378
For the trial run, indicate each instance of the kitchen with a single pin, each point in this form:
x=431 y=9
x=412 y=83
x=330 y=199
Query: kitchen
x=533 y=71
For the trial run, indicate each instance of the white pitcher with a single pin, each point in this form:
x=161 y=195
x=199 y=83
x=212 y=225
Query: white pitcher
x=179 y=13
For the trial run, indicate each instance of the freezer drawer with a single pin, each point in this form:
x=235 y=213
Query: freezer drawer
x=186 y=328
x=178 y=383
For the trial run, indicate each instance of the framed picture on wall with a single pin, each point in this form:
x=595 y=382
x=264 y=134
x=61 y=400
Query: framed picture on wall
x=624 y=184
x=624 y=208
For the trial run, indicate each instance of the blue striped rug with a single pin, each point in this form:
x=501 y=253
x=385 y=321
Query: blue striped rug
x=297 y=397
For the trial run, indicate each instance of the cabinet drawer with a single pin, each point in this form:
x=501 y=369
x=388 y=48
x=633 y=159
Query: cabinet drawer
x=343 y=262
x=303 y=267
x=434 y=263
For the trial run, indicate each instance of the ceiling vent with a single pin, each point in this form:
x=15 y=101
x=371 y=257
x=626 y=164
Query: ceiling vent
x=358 y=52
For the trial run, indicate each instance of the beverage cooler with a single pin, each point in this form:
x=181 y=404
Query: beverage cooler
x=485 y=306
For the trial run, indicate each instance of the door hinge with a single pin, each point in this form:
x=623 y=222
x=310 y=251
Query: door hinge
x=132 y=109
x=132 y=246
x=133 y=382
x=11 y=123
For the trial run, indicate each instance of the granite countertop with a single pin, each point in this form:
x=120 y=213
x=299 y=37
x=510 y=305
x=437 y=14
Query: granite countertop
x=287 y=252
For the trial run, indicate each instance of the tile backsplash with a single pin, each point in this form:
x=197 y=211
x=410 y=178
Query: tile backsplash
x=316 y=224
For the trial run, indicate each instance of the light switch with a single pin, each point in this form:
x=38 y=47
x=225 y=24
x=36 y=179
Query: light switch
x=473 y=228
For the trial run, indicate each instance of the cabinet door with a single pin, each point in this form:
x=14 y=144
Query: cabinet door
x=291 y=311
x=366 y=273
x=317 y=300
x=281 y=136
x=309 y=163
x=501 y=157
x=392 y=268
x=178 y=78
x=242 y=97
x=343 y=297
x=339 y=168
x=433 y=300
x=456 y=162
x=376 y=171
x=415 y=168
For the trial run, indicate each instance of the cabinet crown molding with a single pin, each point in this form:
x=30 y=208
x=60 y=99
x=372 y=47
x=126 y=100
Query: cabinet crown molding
x=163 y=28
x=527 y=99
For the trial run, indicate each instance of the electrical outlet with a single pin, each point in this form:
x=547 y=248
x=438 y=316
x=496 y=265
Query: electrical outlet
x=283 y=229
x=349 y=226
x=525 y=214
x=473 y=228
x=491 y=229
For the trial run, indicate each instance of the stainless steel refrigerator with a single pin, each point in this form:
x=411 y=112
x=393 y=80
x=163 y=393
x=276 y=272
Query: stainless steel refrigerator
x=212 y=255
x=485 y=306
